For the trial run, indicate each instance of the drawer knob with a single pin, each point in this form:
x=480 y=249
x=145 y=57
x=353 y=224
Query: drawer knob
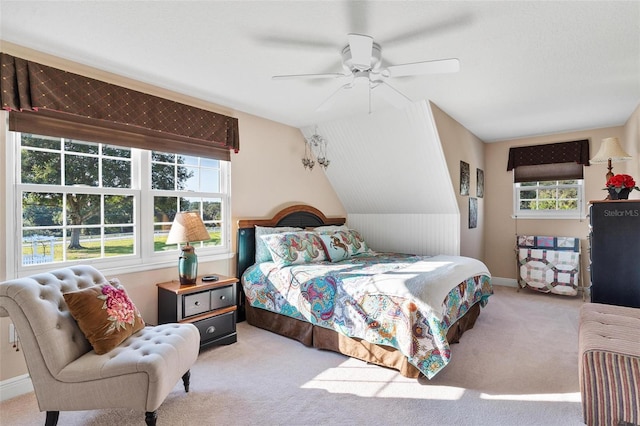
x=211 y=330
x=222 y=297
x=197 y=303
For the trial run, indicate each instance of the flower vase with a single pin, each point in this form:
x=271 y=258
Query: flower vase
x=622 y=195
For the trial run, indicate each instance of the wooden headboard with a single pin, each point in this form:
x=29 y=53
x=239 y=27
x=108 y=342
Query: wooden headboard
x=299 y=215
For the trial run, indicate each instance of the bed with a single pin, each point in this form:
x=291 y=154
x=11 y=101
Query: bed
x=395 y=310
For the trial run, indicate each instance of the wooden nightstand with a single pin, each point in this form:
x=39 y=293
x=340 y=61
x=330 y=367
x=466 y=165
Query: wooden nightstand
x=210 y=306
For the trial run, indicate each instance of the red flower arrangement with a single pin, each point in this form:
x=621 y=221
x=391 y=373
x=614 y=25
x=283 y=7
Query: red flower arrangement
x=619 y=182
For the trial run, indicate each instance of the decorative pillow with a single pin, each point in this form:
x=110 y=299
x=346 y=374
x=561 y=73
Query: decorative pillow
x=105 y=314
x=341 y=245
x=262 y=251
x=357 y=243
x=327 y=229
x=291 y=248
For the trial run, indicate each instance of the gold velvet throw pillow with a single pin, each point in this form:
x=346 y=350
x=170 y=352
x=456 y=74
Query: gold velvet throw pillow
x=105 y=314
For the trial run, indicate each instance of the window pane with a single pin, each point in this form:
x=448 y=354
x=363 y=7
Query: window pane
x=118 y=209
x=83 y=245
x=162 y=177
x=116 y=174
x=39 y=141
x=165 y=208
x=163 y=157
x=211 y=209
x=187 y=160
x=191 y=181
x=80 y=170
x=210 y=180
x=568 y=205
x=79 y=146
x=116 y=151
x=190 y=204
x=83 y=209
x=119 y=241
x=40 y=167
x=183 y=176
x=41 y=209
x=214 y=232
x=38 y=248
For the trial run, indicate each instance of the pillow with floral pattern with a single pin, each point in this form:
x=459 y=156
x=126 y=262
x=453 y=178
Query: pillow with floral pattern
x=290 y=248
x=341 y=245
x=105 y=314
x=262 y=251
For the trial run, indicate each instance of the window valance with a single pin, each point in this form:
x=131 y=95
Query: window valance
x=39 y=95
x=555 y=161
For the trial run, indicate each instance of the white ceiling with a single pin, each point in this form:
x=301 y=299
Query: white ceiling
x=527 y=68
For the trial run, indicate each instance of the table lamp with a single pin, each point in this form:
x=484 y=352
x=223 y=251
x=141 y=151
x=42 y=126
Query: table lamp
x=187 y=227
x=610 y=150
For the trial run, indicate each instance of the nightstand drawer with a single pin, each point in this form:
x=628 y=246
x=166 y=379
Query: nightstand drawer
x=216 y=327
x=196 y=303
x=222 y=297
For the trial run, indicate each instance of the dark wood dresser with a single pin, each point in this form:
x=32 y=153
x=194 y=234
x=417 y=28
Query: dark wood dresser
x=615 y=252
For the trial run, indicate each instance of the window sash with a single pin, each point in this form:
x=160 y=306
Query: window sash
x=556 y=213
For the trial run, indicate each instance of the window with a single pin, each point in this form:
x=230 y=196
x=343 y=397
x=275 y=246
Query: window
x=111 y=206
x=549 y=179
x=549 y=199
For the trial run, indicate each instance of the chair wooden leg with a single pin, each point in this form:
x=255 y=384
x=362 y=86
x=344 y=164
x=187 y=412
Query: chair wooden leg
x=150 y=418
x=186 y=380
x=52 y=418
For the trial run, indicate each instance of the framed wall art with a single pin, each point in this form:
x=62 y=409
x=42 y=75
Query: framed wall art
x=465 y=179
x=479 y=183
x=473 y=212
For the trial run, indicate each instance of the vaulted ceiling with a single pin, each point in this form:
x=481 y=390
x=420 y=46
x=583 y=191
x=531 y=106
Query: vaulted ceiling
x=526 y=68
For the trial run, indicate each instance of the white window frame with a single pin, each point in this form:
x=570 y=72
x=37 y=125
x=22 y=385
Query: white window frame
x=549 y=214
x=145 y=258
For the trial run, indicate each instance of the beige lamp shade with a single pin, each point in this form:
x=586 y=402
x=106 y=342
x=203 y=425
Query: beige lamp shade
x=610 y=149
x=187 y=227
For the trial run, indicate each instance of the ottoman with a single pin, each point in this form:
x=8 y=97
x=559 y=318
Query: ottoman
x=609 y=364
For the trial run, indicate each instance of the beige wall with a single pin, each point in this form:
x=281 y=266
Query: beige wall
x=501 y=228
x=459 y=144
x=266 y=175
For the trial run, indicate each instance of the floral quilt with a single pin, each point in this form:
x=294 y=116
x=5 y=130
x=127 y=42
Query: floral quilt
x=379 y=298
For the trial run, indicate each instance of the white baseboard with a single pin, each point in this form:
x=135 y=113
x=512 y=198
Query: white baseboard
x=15 y=386
x=507 y=282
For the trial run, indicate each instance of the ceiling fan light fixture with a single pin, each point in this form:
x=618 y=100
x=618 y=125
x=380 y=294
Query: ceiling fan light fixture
x=362 y=61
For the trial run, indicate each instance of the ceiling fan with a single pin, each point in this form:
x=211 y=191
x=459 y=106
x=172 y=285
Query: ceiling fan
x=362 y=61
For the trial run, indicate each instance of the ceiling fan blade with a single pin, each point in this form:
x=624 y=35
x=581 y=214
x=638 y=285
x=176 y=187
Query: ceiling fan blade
x=361 y=49
x=327 y=103
x=308 y=76
x=425 y=67
x=390 y=94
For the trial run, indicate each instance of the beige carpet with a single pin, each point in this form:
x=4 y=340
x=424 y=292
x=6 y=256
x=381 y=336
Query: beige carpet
x=518 y=366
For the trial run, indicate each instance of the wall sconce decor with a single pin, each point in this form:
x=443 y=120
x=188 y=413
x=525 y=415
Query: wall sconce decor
x=610 y=150
x=315 y=149
x=187 y=227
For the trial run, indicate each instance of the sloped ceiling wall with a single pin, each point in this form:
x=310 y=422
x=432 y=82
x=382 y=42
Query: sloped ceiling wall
x=389 y=171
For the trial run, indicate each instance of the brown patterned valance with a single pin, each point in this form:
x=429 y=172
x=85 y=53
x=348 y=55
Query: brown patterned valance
x=554 y=161
x=553 y=153
x=65 y=96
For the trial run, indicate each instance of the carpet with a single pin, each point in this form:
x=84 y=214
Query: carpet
x=517 y=366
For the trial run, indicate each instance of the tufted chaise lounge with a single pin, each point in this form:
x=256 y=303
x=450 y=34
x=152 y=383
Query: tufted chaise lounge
x=68 y=375
x=609 y=364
